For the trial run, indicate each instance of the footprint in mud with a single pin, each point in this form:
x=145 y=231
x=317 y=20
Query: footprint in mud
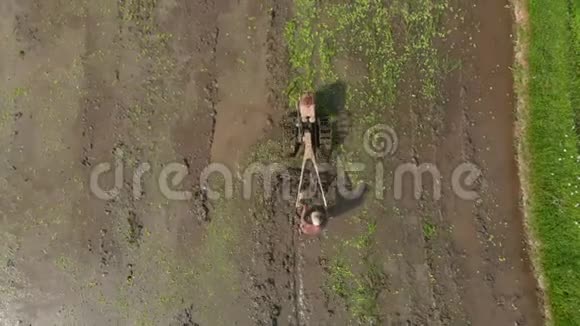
x=131 y=273
x=185 y=318
x=104 y=252
x=135 y=228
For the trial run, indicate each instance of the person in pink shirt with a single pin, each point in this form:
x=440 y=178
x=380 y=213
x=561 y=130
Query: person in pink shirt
x=310 y=220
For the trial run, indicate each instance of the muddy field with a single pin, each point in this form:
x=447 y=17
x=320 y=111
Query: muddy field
x=143 y=84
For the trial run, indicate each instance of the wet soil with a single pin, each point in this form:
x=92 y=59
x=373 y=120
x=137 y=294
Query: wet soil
x=196 y=82
x=475 y=269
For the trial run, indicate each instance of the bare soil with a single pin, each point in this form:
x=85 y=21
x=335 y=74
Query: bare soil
x=196 y=82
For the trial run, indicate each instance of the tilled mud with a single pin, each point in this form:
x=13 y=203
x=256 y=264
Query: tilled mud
x=286 y=281
x=274 y=284
x=196 y=82
x=118 y=82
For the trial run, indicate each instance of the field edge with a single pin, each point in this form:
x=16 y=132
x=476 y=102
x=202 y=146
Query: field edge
x=543 y=144
x=521 y=91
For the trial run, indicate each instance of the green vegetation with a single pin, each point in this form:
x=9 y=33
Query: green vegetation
x=362 y=34
x=359 y=290
x=381 y=54
x=429 y=230
x=551 y=148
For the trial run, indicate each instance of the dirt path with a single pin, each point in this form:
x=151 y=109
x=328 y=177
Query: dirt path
x=495 y=282
x=244 y=114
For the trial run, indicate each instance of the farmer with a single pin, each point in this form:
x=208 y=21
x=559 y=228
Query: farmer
x=311 y=218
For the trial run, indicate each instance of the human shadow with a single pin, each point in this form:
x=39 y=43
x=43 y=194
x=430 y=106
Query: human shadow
x=331 y=102
x=344 y=204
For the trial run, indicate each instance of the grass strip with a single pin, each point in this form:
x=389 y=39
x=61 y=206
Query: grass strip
x=551 y=149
